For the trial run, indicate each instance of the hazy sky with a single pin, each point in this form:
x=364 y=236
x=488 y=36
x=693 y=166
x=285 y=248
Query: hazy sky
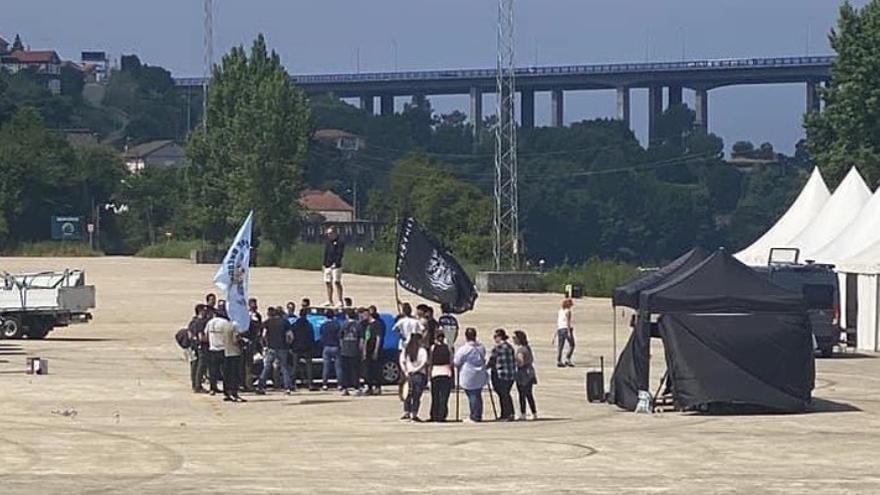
x=317 y=36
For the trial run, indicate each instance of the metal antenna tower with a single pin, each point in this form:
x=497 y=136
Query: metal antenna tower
x=209 y=57
x=506 y=191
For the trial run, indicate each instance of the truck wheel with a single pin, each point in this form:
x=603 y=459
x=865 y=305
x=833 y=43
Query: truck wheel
x=390 y=373
x=12 y=328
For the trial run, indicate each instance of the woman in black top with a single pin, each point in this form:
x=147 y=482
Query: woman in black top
x=526 y=377
x=441 y=378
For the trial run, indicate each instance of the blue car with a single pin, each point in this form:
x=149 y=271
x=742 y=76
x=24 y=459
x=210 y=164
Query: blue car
x=389 y=354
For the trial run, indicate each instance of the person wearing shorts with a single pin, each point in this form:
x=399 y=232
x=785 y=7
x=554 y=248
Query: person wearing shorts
x=334 y=249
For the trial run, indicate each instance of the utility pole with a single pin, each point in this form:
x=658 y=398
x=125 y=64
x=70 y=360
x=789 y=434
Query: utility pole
x=506 y=223
x=209 y=57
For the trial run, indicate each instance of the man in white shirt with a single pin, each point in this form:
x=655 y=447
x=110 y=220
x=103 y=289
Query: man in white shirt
x=232 y=362
x=214 y=330
x=406 y=325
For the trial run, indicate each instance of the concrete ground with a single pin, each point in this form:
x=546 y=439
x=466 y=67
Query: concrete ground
x=139 y=429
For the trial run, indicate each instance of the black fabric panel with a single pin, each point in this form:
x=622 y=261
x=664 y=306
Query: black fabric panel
x=632 y=371
x=628 y=294
x=758 y=359
x=720 y=283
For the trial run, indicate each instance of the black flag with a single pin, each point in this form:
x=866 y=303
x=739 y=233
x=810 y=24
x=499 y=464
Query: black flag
x=427 y=269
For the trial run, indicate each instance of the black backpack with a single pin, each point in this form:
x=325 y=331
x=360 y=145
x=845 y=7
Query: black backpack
x=182 y=338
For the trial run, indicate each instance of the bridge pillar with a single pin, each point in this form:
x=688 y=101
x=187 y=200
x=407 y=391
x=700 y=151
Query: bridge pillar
x=675 y=95
x=655 y=109
x=814 y=103
x=557 y=108
x=386 y=104
x=623 y=111
x=367 y=104
x=701 y=106
x=527 y=110
x=476 y=116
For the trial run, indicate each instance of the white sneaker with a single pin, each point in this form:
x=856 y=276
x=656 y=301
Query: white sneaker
x=520 y=417
x=534 y=416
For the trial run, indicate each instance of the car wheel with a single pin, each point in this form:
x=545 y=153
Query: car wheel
x=12 y=328
x=390 y=372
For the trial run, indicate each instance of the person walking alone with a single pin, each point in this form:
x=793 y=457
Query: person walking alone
x=526 y=378
x=441 y=378
x=470 y=363
x=503 y=366
x=564 y=333
x=414 y=364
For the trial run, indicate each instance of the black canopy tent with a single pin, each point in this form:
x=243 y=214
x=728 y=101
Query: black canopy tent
x=628 y=294
x=719 y=284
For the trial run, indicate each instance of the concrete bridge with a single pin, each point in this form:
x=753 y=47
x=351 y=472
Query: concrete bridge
x=700 y=76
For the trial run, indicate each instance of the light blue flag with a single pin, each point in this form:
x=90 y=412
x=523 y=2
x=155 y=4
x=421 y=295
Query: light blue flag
x=234 y=274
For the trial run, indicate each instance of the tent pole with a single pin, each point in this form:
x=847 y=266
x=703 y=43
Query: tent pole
x=614 y=336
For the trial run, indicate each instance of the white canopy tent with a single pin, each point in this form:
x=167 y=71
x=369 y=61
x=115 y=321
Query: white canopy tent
x=807 y=206
x=839 y=211
x=866 y=266
x=859 y=234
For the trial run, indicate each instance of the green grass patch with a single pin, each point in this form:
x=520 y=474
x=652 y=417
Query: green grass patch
x=311 y=257
x=53 y=249
x=597 y=277
x=171 y=249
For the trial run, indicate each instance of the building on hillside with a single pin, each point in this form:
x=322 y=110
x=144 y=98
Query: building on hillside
x=46 y=64
x=324 y=209
x=96 y=65
x=164 y=153
x=342 y=140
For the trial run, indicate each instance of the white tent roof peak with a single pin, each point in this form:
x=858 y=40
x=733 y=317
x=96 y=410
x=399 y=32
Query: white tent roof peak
x=860 y=234
x=805 y=207
x=839 y=211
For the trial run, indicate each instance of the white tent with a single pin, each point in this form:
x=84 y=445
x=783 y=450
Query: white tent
x=858 y=235
x=807 y=206
x=839 y=211
x=866 y=265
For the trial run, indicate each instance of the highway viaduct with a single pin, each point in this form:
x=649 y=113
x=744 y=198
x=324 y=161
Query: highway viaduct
x=700 y=76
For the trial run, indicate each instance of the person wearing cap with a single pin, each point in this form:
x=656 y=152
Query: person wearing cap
x=334 y=250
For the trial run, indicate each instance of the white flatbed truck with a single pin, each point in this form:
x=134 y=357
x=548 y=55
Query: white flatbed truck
x=33 y=304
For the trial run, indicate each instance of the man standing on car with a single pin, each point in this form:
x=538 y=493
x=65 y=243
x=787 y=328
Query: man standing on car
x=334 y=250
x=374 y=340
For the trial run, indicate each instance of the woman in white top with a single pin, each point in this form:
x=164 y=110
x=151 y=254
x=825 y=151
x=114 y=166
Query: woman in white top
x=564 y=333
x=414 y=367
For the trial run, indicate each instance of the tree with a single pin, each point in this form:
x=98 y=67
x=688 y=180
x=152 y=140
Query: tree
x=251 y=154
x=847 y=132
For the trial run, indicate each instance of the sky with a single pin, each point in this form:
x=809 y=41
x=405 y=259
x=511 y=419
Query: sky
x=327 y=36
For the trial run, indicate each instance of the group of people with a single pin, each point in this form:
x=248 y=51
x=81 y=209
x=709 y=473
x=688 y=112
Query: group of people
x=350 y=342
x=281 y=347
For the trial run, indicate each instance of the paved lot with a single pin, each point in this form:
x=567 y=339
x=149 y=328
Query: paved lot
x=138 y=429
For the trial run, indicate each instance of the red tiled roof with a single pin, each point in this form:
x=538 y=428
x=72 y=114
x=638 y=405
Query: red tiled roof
x=313 y=200
x=36 y=57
